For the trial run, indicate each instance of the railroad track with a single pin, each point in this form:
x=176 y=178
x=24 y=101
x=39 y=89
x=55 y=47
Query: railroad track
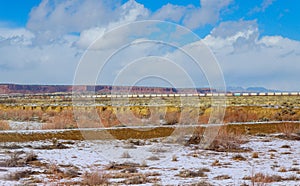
x=93 y=95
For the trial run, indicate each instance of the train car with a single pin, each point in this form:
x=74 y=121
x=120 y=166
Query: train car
x=253 y=94
x=222 y=94
x=262 y=94
x=294 y=94
x=147 y=95
x=237 y=94
x=229 y=94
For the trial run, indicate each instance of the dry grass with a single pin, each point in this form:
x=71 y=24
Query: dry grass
x=191 y=174
x=227 y=141
x=216 y=163
x=96 y=177
x=110 y=115
x=255 y=155
x=222 y=177
x=282 y=169
x=4 y=125
x=153 y=158
x=62 y=117
x=120 y=166
x=294 y=169
x=15 y=159
x=19 y=175
x=241 y=114
x=263 y=178
x=31 y=156
x=201 y=183
x=174 y=158
x=239 y=157
x=125 y=155
x=289 y=131
x=285 y=147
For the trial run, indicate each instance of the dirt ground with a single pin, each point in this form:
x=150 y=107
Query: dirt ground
x=271 y=159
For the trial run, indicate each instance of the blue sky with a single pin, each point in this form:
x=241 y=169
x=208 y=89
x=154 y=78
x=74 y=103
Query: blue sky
x=235 y=30
x=280 y=18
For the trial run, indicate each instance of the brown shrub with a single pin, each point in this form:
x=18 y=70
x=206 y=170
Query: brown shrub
x=126 y=155
x=222 y=177
x=240 y=114
x=255 y=155
x=172 y=117
x=19 y=175
x=265 y=178
x=288 y=128
x=4 y=125
x=108 y=118
x=14 y=160
x=239 y=157
x=227 y=141
x=18 y=114
x=191 y=174
x=96 y=177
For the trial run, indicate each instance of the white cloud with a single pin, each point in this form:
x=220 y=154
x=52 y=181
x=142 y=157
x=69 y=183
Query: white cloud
x=264 y=5
x=250 y=60
x=191 y=16
x=208 y=13
x=47 y=50
x=233 y=36
x=170 y=12
x=70 y=16
x=128 y=12
x=17 y=36
x=53 y=19
x=51 y=64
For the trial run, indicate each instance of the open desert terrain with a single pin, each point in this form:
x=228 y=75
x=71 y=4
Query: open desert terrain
x=146 y=141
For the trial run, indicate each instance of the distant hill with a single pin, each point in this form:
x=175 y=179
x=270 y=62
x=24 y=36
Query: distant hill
x=250 y=89
x=107 y=89
x=101 y=89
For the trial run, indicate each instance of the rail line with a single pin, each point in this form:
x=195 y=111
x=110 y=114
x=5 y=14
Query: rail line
x=92 y=95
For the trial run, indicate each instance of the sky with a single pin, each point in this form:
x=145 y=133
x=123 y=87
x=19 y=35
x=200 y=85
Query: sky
x=254 y=43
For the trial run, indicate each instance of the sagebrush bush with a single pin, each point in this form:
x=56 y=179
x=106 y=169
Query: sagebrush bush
x=96 y=177
x=4 y=125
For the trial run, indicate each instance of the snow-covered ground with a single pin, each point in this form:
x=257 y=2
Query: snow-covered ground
x=21 y=125
x=162 y=160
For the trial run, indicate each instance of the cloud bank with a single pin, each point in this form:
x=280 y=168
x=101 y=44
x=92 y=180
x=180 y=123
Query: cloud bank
x=57 y=34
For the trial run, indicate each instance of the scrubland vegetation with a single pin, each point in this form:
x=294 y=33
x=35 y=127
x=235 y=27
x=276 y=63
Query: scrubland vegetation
x=139 y=111
x=242 y=154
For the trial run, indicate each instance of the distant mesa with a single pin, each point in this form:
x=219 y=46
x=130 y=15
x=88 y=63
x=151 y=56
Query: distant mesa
x=99 y=89
x=250 y=89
